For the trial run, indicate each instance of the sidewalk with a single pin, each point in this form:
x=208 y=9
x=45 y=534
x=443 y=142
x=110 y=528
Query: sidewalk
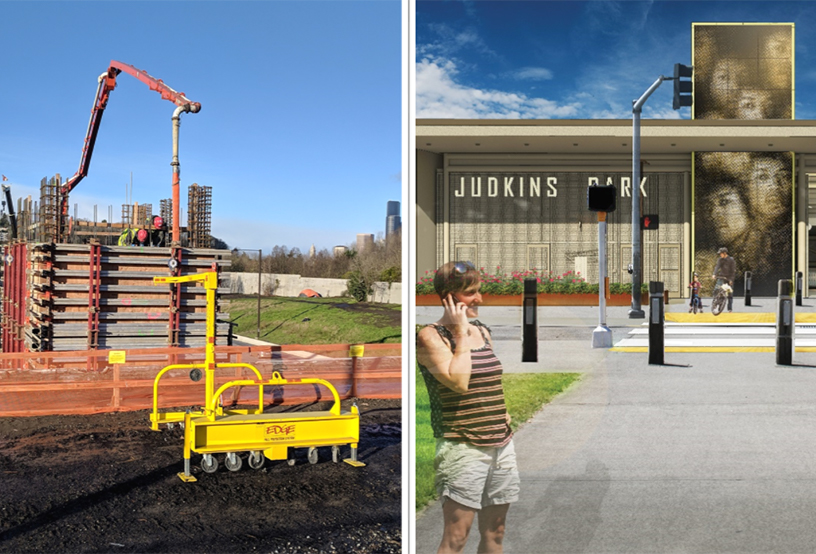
x=708 y=453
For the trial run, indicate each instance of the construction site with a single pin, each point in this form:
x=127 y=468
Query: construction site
x=123 y=389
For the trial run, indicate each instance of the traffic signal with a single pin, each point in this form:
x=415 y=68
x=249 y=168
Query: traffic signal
x=601 y=198
x=682 y=89
x=649 y=222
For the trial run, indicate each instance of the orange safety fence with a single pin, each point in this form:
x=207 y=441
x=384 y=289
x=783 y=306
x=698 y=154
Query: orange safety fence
x=84 y=382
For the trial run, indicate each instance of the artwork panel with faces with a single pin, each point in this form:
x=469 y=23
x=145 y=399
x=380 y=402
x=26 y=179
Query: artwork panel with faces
x=743 y=71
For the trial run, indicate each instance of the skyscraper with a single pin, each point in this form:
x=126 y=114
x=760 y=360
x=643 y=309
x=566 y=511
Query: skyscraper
x=364 y=241
x=393 y=222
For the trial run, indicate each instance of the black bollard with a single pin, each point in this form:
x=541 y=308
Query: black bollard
x=748 y=276
x=529 y=323
x=800 y=278
x=785 y=324
x=656 y=327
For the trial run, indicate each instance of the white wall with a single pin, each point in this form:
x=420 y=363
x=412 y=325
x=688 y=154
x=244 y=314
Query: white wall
x=291 y=285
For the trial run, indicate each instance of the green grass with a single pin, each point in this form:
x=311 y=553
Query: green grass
x=524 y=393
x=316 y=320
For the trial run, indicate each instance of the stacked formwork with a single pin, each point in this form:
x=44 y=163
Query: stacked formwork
x=59 y=297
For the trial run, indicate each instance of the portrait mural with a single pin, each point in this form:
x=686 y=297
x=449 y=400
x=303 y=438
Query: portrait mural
x=744 y=202
x=743 y=71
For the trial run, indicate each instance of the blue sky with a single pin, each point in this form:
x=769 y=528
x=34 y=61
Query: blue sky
x=299 y=133
x=575 y=59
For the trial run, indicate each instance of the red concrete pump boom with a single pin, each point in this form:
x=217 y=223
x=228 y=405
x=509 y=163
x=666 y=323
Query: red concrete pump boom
x=107 y=82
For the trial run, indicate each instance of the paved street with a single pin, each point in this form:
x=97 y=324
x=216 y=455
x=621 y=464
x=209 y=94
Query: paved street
x=711 y=452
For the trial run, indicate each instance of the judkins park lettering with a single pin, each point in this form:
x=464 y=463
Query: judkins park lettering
x=534 y=186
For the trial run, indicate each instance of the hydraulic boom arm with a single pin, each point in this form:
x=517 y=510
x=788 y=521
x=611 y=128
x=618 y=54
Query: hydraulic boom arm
x=107 y=82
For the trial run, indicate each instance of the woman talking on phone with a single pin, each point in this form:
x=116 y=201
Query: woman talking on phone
x=475 y=461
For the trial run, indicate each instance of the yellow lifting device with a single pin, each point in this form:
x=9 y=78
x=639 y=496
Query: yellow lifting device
x=214 y=430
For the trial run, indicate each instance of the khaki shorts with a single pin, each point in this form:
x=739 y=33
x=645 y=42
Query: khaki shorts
x=476 y=476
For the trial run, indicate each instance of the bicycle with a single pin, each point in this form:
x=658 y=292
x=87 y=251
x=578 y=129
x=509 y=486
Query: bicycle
x=720 y=298
x=696 y=304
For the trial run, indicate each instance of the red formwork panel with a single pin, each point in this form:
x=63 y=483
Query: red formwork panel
x=84 y=382
x=15 y=293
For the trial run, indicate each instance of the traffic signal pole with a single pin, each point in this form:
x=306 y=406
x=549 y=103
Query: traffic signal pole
x=636 y=312
x=602 y=335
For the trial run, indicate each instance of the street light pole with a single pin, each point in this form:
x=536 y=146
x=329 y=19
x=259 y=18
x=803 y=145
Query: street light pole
x=260 y=259
x=637 y=259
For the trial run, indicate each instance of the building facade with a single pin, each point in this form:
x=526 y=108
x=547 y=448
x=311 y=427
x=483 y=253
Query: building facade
x=512 y=193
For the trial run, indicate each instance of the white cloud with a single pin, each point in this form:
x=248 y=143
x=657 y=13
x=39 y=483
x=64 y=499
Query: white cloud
x=439 y=95
x=450 y=41
x=532 y=74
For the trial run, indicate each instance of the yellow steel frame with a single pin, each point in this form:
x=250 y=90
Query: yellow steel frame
x=215 y=430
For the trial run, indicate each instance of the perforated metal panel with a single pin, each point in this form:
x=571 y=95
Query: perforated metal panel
x=538 y=257
x=743 y=202
x=625 y=260
x=743 y=71
x=466 y=253
x=670 y=263
x=511 y=217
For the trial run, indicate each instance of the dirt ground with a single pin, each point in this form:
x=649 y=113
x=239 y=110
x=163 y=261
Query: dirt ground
x=107 y=483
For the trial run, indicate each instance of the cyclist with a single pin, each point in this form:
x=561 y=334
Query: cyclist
x=695 y=287
x=724 y=272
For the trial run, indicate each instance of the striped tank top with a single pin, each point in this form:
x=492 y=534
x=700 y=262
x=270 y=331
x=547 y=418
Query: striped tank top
x=478 y=416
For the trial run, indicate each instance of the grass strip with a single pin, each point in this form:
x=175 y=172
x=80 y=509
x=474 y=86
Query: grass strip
x=524 y=394
x=316 y=320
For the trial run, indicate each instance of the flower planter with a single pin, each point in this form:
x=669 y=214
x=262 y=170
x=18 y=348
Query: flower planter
x=544 y=299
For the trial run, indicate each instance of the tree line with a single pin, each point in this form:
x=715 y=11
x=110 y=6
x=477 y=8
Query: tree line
x=381 y=261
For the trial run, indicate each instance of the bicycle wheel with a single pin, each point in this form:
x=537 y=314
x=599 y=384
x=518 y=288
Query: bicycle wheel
x=717 y=304
x=695 y=306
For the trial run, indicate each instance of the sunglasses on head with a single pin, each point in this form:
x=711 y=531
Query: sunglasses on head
x=463 y=267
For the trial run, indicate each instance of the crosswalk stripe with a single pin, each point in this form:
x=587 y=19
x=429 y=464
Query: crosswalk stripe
x=722 y=336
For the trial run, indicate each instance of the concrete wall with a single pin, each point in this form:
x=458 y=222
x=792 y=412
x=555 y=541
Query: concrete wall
x=273 y=284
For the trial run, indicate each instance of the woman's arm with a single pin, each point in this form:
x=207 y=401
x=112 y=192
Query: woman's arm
x=452 y=369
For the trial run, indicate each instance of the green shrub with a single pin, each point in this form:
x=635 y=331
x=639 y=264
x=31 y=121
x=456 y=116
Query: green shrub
x=547 y=282
x=357 y=287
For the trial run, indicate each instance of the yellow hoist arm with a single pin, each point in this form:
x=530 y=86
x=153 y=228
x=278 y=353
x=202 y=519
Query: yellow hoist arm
x=210 y=279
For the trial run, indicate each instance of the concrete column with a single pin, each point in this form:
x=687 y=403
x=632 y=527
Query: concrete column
x=688 y=251
x=801 y=220
x=446 y=249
